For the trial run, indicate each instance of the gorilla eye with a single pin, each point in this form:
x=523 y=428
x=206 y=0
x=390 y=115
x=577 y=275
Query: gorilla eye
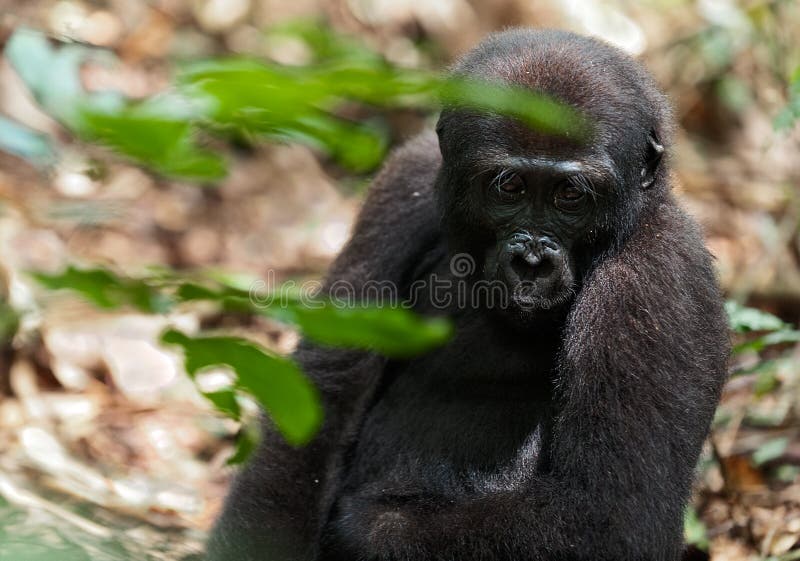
x=569 y=196
x=509 y=184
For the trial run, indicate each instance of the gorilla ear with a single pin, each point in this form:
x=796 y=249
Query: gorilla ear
x=653 y=154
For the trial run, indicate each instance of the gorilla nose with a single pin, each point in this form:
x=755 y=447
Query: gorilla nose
x=532 y=248
x=533 y=257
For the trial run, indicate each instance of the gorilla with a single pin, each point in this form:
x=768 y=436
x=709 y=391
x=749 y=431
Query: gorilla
x=564 y=419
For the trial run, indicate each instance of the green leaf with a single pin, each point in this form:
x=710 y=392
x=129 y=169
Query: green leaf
x=694 y=530
x=770 y=450
x=275 y=382
x=774 y=338
x=252 y=98
x=766 y=379
x=105 y=289
x=393 y=332
x=25 y=143
x=225 y=402
x=539 y=111
x=787 y=473
x=734 y=93
x=743 y=319
x=9 y=322
x=163 y=143
x=789 y=115
x=246 y=442
x=243 y=99
x=231 y=300
x=52 y=73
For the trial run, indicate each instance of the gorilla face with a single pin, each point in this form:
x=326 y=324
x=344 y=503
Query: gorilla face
x=540 y=210
x=530 y=210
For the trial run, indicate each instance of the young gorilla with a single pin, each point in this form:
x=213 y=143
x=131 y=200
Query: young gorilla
x=560 y=423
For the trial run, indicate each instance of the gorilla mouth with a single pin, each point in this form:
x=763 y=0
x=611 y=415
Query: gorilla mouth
x=530 y=269
x=529 y=297
x=535 y=283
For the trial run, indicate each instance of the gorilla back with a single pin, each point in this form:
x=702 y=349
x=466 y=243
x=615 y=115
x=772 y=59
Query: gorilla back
x=564 y=419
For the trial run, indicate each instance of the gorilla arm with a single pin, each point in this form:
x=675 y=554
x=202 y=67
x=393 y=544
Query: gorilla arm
x=279 y=500
x=640 y=373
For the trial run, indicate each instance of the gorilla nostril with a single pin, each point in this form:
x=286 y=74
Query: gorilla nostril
x=548 y=243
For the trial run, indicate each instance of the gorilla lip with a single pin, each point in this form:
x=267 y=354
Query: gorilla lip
x=529 y=267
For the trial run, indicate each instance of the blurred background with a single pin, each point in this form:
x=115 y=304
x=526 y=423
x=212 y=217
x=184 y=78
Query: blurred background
x=116 y=215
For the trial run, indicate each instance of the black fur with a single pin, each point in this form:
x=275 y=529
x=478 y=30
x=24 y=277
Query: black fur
x=567 y=428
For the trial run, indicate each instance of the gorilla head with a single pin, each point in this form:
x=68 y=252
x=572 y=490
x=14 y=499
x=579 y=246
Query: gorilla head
x=536 y=210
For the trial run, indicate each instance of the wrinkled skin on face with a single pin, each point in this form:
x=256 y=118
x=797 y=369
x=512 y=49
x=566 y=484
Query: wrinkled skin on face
x=541 y=212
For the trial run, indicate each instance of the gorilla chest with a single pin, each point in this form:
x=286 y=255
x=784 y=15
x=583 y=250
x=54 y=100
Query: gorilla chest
x=444 y=421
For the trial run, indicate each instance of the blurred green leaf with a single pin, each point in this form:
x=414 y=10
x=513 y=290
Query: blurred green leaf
x=766 y=378
x=734 y=93
x=787 y=473
x=52 y=74
x=225 y=402
x=106 y=290
x=774 y=338
x=770 y=450
x=243 y=99
x=25 y=143
x=246 y=442
x=694 y=530
x=537 y=110
x=393 y=332
x=275 y=382
x=789 y=115
x=165 y=144
x=9 y=321
x=743 y=319
x=253 y=98
x=717 y=47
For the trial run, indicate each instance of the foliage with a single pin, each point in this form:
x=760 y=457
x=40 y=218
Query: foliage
x=743 y=319
x=756 y=331
x=275 y=382
x=106 y=290
x=772 y=330
x=25 y=143
x=392 y=331
x=770 y=450
x=52 y=74
x=694 y=531
x=164 y=143
x=791 y=113
x=9 y=321
x=244 y=99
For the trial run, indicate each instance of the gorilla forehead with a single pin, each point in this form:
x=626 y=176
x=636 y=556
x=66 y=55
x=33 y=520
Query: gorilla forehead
x=614 y=91
x=488 y=142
